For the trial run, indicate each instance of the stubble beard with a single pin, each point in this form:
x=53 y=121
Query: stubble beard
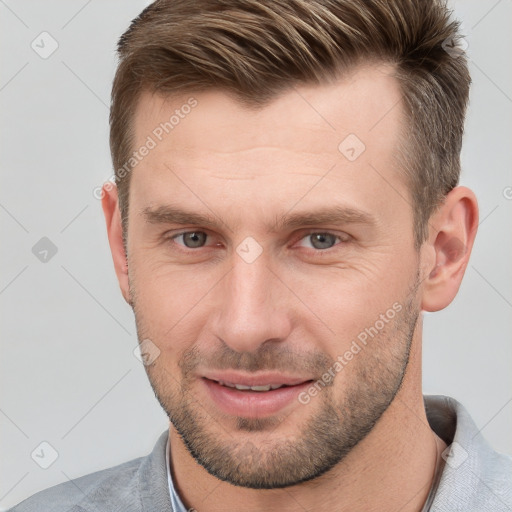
x=325 y=438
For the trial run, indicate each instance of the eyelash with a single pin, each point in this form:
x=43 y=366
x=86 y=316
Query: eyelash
x=341 y=240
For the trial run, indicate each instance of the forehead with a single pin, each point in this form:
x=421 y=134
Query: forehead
x=208 y=145
x=364 y=100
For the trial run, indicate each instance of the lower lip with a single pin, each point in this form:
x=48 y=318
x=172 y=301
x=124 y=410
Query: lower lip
x=252 y=404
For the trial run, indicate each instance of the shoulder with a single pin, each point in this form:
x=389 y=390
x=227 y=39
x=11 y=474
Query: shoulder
x=476 y=482
x=494 y=479
x=134 y=486
x=475 y=476
x=110 y=485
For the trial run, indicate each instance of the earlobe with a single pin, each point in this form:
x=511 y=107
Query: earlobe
x=452 y=234
x=111 y=211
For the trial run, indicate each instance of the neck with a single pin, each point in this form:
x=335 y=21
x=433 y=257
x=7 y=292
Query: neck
x=391 y=469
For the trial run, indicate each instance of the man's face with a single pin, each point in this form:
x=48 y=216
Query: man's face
x=305 y=273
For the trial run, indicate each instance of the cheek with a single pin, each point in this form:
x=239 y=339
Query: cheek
x=354 y=306
x=171 y=305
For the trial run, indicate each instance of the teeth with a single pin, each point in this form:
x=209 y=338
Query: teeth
x=226 y=384
x=242 y=387
x=261 y=388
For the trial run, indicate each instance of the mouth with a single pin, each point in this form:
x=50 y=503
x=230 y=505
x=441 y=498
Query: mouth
x=243 y=387
x=254 y=397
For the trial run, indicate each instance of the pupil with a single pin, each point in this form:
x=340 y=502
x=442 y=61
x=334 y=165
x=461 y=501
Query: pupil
x=194 y=239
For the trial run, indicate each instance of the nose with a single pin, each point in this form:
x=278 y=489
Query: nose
x=254 y=308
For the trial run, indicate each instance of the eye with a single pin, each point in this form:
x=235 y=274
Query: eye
x=191 y=239
x=321 y=241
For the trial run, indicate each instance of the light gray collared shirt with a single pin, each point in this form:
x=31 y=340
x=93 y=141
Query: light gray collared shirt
x=475 y=478
x=463 y=468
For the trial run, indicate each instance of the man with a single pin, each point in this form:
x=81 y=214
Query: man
x=286 y=207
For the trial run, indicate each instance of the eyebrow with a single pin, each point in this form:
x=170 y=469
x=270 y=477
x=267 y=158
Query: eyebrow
x=336 y=215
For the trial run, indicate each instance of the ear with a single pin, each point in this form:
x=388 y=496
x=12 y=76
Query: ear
x=452 y=233
x=110 y=205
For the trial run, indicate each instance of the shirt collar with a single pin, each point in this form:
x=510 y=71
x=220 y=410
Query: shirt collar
x=470 y=462
x=176 y=503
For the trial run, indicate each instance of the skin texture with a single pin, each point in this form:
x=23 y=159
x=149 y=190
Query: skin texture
x=363 y=442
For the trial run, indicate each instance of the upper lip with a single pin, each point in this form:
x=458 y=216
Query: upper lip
x=255 y=379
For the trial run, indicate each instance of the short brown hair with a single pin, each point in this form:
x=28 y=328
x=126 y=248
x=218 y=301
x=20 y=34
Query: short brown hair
x=255 y=49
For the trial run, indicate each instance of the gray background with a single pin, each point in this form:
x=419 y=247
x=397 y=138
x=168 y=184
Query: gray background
x=68 y=374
